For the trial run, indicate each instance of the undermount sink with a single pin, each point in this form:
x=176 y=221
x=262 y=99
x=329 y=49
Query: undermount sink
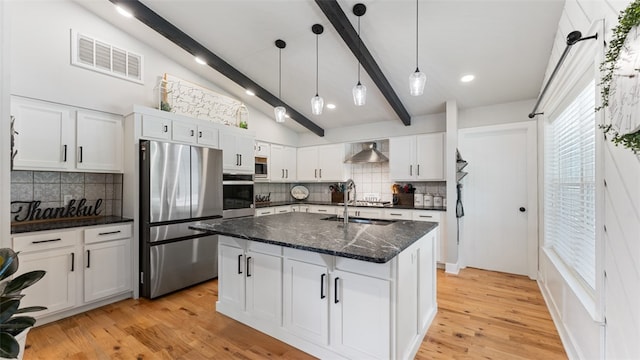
x=356 y=220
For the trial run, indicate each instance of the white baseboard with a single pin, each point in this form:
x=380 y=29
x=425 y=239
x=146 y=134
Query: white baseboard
x=452 y=268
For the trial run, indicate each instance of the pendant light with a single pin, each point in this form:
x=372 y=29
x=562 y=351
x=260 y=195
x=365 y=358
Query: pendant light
x=317 y=103
x=359 y=91
x=417 y=79
x=280 y=111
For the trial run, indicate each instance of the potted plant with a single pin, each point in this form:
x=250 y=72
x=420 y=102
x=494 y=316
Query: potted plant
x=12 y=324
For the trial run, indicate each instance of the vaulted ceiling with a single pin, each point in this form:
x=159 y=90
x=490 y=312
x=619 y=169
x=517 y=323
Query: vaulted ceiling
x=505 y=43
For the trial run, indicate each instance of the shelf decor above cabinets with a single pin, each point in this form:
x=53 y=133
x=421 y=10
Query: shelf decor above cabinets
x=186 y=98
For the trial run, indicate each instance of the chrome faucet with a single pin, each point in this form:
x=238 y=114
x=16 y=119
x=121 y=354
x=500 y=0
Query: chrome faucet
x=348 y=185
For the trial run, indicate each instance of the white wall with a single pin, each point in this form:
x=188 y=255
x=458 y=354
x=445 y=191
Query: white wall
x=5 y=195
x=581 y=319
x=41 y=65
x=495 y=114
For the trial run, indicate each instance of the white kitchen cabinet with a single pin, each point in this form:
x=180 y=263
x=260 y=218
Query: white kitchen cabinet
x=363 y=212
x=306 y=300
x=440 y=233
x=360 y=316
x=237 y=152
x=397 y=214
x=59 y=255
x=107 y=269
x=300 y=208
x=156 y=127
x=321 y=163
x=264 y=211
x=417 y=157
x=283 y=167
x=57 y=137
x=194 y=133
x=250 y=276
x=99 y=139
x=282 y=209
x=262 y=149
x=324 y=209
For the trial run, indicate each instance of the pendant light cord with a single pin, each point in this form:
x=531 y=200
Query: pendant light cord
x=359 y=49
x=417 y=70
x=317 y=64
x=279 y=73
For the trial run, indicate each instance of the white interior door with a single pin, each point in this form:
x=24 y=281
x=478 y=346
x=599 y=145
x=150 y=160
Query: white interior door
x=499 y=229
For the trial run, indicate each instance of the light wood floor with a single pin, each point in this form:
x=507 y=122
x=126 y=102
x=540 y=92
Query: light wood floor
x=481 y=315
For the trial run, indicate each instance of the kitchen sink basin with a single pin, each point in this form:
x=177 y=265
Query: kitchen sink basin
x=358 y=220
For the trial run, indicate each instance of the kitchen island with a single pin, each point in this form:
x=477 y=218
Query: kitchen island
x=356 y=291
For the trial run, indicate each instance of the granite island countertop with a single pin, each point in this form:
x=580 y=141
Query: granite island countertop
x=304 y=231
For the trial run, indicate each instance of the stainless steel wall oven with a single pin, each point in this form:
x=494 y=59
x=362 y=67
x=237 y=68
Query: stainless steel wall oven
x=237 y=195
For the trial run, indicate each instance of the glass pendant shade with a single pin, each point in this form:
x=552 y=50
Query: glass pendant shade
x=317 y=104
x=359 y=94
x=280 y=113
x=417 y=80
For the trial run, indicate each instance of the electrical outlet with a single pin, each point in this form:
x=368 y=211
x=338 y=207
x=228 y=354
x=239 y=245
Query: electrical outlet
x=67 y=198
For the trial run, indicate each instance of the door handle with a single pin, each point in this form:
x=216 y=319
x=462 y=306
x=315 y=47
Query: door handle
x=240 y=264
x=522 y=209
x=282 y=173
x=88 y=259
x=410 y=170
x=73 y=261
x=80 y=154
x=165 y=128
x=418 y=169
x=200 y=134
x=335 y=292
x=320 y=173
x=315 y=173
x=248 y=262
x=192 y=132
x=64 y=153
x=322 y=295
x=287 y=171
x=240 y=155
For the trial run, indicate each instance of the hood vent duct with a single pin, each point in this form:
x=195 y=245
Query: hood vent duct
x=369 y=154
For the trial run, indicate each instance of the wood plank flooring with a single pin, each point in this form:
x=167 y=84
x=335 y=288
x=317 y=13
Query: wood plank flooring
x=481 y=315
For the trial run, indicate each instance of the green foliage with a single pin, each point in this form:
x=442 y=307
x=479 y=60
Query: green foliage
x=627 y=20
x=10 y=296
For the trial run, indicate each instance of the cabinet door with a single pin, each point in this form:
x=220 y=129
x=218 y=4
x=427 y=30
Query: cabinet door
x=57 y=289
x=244 y=147
x=237 y=152
x=430 y=157
x=231 y=290
x=306 y=296
x=99 y=141
x=290 y=164
x=277 y=163
x=208 y=136
x=156 y=127
x=184 y=132
x=261 y=149
x=360 y=316
x=407 y=300
x=331 y=163
x=45 y=137
x=426 y=280
x=402 y=158
x=264 y=286
x=107 y=269
x=282 y=209
x=307 y=161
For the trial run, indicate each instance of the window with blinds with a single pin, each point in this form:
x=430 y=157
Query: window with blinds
x=569 y=169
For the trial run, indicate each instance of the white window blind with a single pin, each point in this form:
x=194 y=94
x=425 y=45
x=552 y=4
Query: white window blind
x=569 y=209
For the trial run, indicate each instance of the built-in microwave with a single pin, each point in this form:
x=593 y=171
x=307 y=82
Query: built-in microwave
x=261 y=168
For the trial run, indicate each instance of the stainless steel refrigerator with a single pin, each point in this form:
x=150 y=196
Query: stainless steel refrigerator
x=179 y=185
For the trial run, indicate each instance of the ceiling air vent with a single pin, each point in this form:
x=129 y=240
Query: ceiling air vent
x=93 y=54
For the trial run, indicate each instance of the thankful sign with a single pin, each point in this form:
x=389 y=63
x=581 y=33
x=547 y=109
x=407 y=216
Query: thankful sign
x=31 y=210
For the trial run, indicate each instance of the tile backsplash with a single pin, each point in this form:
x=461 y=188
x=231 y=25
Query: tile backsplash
x=51 y=188
x=369 y=178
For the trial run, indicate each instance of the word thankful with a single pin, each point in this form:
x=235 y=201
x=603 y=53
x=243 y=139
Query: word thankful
x=34 y=212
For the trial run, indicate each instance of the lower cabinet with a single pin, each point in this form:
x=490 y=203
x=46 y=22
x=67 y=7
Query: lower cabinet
x=330 y=307
x=82 y=267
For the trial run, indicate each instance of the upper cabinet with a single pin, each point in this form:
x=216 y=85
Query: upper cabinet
x=261 y=149
x=237 y=152
x=51 y=136
x=184 y=130
x=419 y=157
x=282 y=163
x=321 y=163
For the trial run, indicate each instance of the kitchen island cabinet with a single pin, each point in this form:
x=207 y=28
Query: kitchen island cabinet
x=355 y=292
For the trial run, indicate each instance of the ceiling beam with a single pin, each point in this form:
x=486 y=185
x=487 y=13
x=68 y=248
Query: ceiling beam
x=178 y=37
x=341 y=23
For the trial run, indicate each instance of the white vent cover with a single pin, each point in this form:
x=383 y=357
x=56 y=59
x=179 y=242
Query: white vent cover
x=90 y=53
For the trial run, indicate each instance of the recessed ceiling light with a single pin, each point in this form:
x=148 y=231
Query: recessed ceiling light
x=467 y=78
x=200 y=61
x=331 y=106
x=123 y=12
x=250 y=93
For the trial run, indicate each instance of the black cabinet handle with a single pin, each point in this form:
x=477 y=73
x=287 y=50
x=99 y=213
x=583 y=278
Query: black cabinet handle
x=282 y=173
x=315 y=173
x=240 y=159
x=88 y=259
x=110 y=232
x=418 y=169
x=322 y=295
x=199 y=134
x=80 y=154
x=335 y=291
x=73 y=261
x=45 y=241
x=522 y=209
x=165 y=128
x=287 y=173
x=248 y=262
x=240 y=264
x=320 y=173
x=192 y=132
x=410 y=170
x=64 y=153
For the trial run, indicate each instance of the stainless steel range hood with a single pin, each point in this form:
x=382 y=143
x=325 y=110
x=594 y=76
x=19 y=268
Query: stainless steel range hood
x=369 y=154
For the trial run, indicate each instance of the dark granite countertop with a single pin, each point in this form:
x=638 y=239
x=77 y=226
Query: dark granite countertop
x=298 y=202
x=18 y=228
x=373 y=243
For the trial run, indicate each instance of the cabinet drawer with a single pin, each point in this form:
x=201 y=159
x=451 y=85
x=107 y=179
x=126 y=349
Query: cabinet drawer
x=425 y=215
x=398 y=214
x=264 y=248
x=107 y=233
x=44 y=241
x=364 y=267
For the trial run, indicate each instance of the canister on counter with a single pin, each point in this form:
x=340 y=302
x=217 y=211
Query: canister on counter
x=427 y=200
x=437 y=201
x=417 y=200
